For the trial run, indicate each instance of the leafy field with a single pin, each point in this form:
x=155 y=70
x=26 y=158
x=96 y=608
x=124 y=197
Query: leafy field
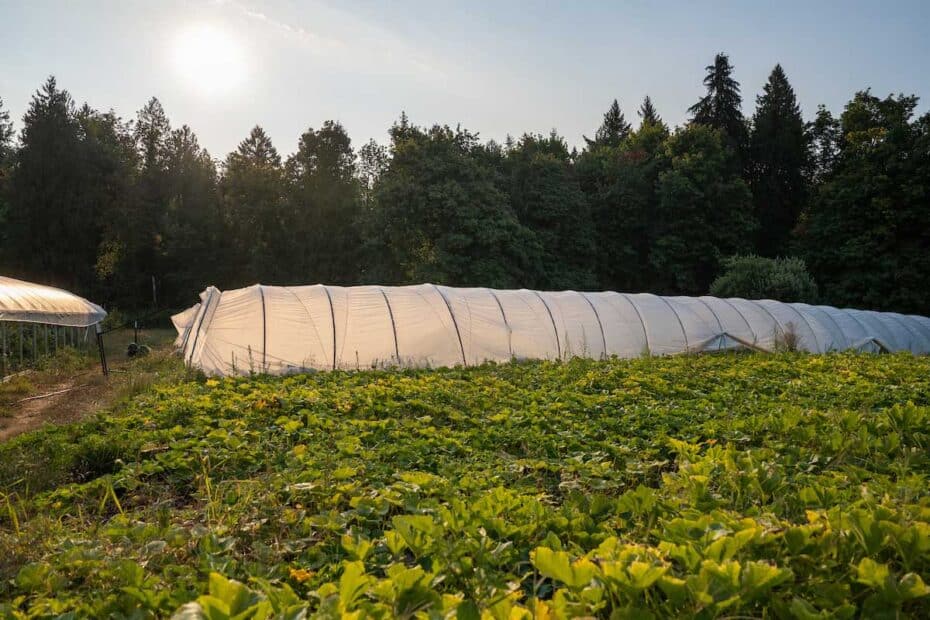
x=719 y=485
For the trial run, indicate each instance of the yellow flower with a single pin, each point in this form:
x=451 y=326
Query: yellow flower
x=301 y=575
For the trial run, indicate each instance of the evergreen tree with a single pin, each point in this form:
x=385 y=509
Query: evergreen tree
x=137 y=244
x=704 y=212
x=323 y=199
x=547 y=199
x=721 y=107
x=252 y=197
x=613 y=130
x=51 y=226
x=649 y=115
x=152 y=129
x=6 y=133
x=779 y=162
x=6 y=156
x=191 y=221
x=110 y=163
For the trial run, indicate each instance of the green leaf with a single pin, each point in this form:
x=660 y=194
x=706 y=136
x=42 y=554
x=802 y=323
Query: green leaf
x=236 y=597
x=468 y=610
x=352 y=584
x=872 y=574
x=558 y=565
x=912 y=586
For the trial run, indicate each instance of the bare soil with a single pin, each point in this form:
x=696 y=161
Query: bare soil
x=59 y=396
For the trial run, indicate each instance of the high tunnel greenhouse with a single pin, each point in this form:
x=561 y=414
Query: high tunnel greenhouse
x=36 y=320
x=285 y=329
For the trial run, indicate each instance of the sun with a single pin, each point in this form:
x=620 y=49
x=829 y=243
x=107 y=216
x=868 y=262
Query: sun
x=209 y=60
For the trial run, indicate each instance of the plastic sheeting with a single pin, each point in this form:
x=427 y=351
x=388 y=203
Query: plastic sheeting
x=281 y=330
x=26 y=302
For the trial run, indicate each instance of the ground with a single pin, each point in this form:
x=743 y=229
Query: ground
x=727 y=485
x=70 y=386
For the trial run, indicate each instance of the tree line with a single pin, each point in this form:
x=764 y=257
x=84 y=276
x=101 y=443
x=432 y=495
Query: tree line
x=137 y=213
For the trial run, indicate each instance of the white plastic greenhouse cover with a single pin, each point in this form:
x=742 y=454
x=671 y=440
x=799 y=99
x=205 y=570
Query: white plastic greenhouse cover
x=27 y=302
x=280 y=330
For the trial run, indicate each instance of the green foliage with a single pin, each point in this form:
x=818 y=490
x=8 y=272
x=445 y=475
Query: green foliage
x=620 y=185
x=721 y=485
x=755 y=277
x=321 y=240
x=779 y=164
x=252 y=194
x=721 y=107
x=192 y=224
x=613 y=130
x=704 y=212
x=867 y=229
x=649 y=115
x=546 y=197
x=441 y=216
x=112 y=209
x=55 y=192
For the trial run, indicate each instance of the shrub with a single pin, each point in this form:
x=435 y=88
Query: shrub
x=755 y=277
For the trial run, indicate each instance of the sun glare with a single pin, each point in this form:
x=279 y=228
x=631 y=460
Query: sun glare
x=209 y=60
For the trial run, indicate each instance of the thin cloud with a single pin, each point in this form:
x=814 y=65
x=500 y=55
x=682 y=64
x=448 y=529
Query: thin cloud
x=370 y=48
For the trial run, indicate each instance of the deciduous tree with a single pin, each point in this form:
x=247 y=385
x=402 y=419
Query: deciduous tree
x=547 y=199
x=868 y=229
x=704 y=212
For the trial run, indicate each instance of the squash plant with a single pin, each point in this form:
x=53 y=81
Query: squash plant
x=732 y=485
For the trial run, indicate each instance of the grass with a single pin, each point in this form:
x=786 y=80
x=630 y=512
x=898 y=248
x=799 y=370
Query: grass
x=744 y=485
x=74 y=374
x=11 y=390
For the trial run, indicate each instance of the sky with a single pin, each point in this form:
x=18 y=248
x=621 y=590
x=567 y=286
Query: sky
x=496 y=68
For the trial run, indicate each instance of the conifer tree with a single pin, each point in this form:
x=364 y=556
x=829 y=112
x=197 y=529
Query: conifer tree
x=779 y=162
x=613 y=130
x=252 y=193
x=43 y=242
x=6 y=133
x=6 y=150
x=145 y=216
x=191 y=221
x=323 y=206
x=648 y=114
x=721 y=107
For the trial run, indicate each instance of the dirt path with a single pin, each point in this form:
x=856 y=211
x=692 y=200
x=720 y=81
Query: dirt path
x=75 y=399
x=60 y=396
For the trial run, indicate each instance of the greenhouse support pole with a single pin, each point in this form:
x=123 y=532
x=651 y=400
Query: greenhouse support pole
x=103 y=355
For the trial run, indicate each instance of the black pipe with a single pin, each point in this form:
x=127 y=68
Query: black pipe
x=103 y=355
